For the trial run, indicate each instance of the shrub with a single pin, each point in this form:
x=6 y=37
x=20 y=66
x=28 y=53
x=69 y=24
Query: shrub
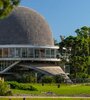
x=58 y=78
x=47 y=79
x=27 y=78
x=21 y=86
x=5 y=89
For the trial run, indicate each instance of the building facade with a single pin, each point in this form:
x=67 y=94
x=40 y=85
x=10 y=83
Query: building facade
x=26 y=43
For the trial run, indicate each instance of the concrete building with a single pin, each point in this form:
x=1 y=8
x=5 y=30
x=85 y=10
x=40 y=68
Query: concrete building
x=26 y=43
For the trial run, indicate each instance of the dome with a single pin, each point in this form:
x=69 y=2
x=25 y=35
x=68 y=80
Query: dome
x=25 y=26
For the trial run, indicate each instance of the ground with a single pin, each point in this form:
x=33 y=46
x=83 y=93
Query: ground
x=53 y=90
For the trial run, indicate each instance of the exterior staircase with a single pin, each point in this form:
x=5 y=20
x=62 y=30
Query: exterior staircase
x=6 y=68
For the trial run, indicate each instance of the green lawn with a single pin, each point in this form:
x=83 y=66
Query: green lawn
x=49 y=90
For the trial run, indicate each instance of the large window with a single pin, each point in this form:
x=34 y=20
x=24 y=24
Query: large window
x=5 y=52
x=11 y=52
x=37 y=53
x=0 y=52
x=42 y=53
x=52 y=53
x=30 y=53
x=18 y=52
x=24 y=52
x=47 y=53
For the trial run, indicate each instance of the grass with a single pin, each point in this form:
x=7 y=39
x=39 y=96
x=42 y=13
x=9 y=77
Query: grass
x=52 y=89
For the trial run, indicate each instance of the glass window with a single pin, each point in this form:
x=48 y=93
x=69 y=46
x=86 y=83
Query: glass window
x=12 y=52
x=36 y=53
x=18 y=52
x=0 y=52
x=30 y=52
x=47 y=53
x=52 y=53
x=42 y=53
x=5 y=52
x=24 y=52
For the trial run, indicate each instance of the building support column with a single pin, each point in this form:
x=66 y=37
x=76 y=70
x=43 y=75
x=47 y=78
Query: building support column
x=33 y=53
x=21 y=52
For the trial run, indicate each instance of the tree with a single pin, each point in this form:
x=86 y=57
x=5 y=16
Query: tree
x=6 y=6
x=67 y=43
x=80 y=52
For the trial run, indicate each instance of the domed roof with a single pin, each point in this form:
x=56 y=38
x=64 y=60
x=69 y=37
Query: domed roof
x=25 y=26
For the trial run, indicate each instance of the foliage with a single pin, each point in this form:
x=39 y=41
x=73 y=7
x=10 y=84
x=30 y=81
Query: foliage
x=4 y=89
x=6 y=6
x=27 y=78
x=47 y=79
x=21 y=86
x=80 y=51
x=53 y=79
x=58 y=78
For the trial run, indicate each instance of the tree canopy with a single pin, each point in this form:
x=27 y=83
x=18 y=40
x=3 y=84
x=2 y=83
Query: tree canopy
x=80 y=52
x=6 y=6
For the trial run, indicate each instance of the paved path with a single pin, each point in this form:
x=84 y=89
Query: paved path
x=41 y=97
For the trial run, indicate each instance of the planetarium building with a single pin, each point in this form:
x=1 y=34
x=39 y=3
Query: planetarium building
x=26 y=44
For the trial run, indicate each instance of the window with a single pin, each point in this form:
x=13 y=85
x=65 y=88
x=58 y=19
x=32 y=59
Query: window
x=0 y=52
x=52 y=53
x=30 y=52
x=47 y=53
x=5 y=52
x=11 y=52
x=37 y=53
x=24 y=52
x=42 y=53
x=18 y=52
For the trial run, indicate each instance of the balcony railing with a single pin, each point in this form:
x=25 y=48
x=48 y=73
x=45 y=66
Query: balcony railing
x=23 y=53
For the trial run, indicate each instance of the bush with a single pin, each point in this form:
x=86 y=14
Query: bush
x=27 y=78
x=21 y=86
x=5 y=89
x=47 y=79
x=58 y=78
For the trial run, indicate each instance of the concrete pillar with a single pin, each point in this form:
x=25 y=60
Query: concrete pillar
x=55 y=53
x=33 y=53
x=45 y=53
x=26 y=52
x=15 y=52
x=21 y=52
x=8 y=52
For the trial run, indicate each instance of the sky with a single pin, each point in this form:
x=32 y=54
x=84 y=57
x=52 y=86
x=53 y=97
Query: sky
x=63 y=16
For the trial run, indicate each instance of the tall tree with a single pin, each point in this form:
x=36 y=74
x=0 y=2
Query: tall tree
x=6 y=6
x=80 y=52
